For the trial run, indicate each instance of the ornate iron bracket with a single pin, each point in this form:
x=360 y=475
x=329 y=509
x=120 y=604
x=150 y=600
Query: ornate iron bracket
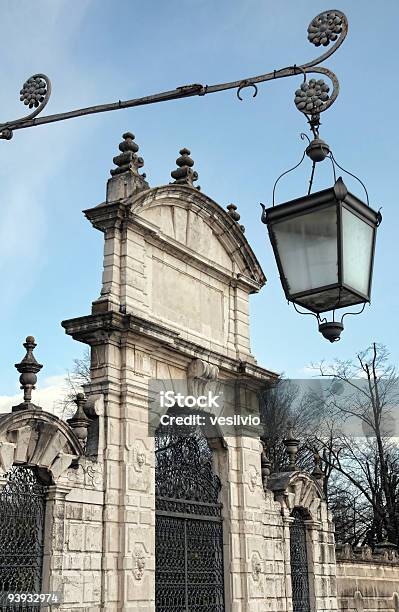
x=312 y=98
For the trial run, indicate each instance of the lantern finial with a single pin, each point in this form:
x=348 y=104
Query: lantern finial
x=331 y=330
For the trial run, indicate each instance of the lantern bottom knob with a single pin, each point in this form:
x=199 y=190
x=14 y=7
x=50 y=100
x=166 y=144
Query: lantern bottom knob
x=331 y=330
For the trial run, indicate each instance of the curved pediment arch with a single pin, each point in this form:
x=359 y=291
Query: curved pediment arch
x=297 y=490
x=37 y=439
x=198 y=223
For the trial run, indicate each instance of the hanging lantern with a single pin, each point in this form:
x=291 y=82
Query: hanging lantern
x=324 y=246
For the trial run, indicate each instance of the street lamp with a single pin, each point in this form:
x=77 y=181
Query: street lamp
x=323 y=242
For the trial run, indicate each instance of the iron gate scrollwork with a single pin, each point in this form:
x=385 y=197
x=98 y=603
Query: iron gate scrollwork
x=189 y=538
x=299 y=563
x=22 y=508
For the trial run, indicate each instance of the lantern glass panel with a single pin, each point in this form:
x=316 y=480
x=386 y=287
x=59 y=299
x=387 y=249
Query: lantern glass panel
x=357 y=251
x=307 y=247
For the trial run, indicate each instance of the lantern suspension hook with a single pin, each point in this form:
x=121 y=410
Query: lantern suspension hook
x=328 y=29
x=333 y=168
x=335 y=163
x=317 y=150
x=287 y=172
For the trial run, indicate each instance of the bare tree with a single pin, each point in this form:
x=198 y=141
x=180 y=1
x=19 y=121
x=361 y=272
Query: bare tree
x=74 y=383
x=361 y=448
x=284 y=405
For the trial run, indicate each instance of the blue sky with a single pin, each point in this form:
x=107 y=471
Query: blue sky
x=95 y=52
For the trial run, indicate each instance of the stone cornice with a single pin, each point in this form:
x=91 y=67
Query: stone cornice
x=106 y=216
x=345 y=553
x=91 y=330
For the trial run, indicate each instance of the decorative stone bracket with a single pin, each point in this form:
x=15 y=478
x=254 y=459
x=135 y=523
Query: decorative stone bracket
x=199 y=375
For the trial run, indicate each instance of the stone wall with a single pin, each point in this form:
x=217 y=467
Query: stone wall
x=300 y=490
x=367 y=580
x=73 y=520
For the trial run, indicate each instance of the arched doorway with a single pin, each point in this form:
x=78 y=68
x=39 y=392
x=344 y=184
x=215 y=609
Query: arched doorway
x=299 y=562
x=189 y=536
x=22 y=511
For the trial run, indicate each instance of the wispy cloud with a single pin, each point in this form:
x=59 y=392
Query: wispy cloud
x=25 y=171
x=48 y=395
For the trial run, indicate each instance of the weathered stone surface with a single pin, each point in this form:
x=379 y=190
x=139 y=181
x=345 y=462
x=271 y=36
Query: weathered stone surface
x=37 y=438
x=174 y=304
x=367 y=584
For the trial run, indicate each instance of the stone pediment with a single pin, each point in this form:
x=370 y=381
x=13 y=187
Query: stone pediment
x=37 y=438
x=175 y=257
x=194 y=221
x=296 y=490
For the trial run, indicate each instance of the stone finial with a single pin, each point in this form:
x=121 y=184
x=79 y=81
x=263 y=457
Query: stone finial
x=127 y=160
x=80 y=421
x=184 y=174
x=317 y=472
x=265 y=466
x=291 y=444
x=232 y=208
x=235 y=215
x=28 y=368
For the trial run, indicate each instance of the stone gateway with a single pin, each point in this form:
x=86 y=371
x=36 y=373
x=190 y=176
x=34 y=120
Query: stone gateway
x=122 y=519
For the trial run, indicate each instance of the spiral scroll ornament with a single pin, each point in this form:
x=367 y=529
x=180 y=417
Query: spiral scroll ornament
x=34 y=91
x=312 y=96
x=35 y=94
x=325 y=28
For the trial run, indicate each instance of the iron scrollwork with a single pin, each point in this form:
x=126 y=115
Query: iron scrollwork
x=311 y=98
x=22 y=511
x=299 y=563
x=189 y=541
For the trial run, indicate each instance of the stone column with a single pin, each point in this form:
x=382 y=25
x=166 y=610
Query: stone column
x=244 y=502
x=54 y=542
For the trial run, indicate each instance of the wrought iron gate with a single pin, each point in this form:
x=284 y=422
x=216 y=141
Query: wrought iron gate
x=22 y=506
x=299 y=563
x=189 y=537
